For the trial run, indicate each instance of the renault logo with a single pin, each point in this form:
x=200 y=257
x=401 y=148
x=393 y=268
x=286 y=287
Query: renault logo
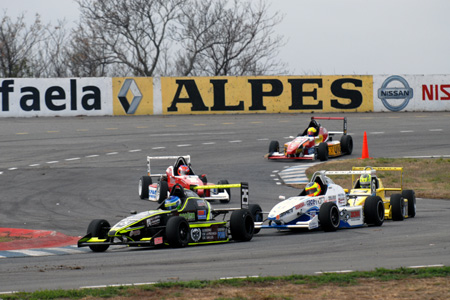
x=130 y=85
x=386 y=93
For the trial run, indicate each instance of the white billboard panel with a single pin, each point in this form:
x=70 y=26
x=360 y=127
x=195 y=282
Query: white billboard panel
x=39 y=97
x=411 y=93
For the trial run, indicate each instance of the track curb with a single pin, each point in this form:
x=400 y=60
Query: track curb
x=31 y=239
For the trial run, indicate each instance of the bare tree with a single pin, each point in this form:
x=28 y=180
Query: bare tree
x=18 y=46
x=133 y=32
x=223 y=38
x=86 y=55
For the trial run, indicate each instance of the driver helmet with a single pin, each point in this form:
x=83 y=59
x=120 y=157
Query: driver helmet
x=311 y=131
x=183 y=170
x=313 y=189
x=173 y=202
x=364 y=180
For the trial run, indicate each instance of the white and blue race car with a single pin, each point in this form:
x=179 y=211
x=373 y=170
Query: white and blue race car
x=328 y=210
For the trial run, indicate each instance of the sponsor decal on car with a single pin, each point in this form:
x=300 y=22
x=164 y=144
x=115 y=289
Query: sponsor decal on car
x=189 y=216
x=196 y=234
x=151 y=193
x=158 y=240
x=209 y=234
x=222 y=234
x=153 y=221
x=201 y=214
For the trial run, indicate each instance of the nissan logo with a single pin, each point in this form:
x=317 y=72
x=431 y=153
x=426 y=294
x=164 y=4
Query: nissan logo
x=394 y=94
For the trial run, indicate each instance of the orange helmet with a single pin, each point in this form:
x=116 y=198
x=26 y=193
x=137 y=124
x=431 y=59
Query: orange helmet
x=183 y=170
x=312 y=189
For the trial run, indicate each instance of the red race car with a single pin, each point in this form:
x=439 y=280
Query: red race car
x=315 y=142
x=180 y=173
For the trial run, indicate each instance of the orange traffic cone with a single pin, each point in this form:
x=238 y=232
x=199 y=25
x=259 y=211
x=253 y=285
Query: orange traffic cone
x=365 y=149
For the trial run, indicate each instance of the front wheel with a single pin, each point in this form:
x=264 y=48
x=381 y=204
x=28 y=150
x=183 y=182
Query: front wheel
x=274 y=146
x=257 y=215
x=99 y=228
x=161 y=191
x=177 y=232
x=144 y=182
x=329 y=216
x=374 y=211
x=242 y=225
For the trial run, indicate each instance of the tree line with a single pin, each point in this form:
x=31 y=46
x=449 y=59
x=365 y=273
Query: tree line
x=146 y=38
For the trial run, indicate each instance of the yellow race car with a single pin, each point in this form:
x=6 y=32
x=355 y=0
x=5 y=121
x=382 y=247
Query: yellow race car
x=400 y=205
x=366 y=184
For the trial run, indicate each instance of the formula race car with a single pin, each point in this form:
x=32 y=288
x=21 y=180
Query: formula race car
x=182 y=219
x=315 y=142
x=180 y=173
x=399 y=206
x=322 y=203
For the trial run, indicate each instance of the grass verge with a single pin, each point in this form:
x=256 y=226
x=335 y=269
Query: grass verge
x=403 y=283
x=429 y=178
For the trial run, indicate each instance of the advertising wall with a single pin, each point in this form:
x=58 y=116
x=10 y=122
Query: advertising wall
x=132 y=96
x=281 y=94
x=119 y=96
x=411 y=93
x=31 y=97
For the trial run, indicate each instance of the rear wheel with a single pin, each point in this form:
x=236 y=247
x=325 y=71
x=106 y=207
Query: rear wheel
x=322 y=151
x=274 y=146
x=329 y=216
x=161 y=191
x=397 y=207
x=99 y=228
x=374 y=211
x=346 y=144
x=242 y=225
x=411 y=196
x=144 y=182
x=257 y=215
x=177 y=232
x=224 y=181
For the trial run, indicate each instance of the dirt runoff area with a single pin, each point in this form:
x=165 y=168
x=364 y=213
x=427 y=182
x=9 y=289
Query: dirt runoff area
x=435 y=288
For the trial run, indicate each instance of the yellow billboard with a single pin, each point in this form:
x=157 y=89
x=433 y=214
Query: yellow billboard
x=266 y=94
x=132 y=96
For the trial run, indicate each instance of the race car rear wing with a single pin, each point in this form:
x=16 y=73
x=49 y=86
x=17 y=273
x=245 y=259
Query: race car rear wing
x=394 y=169
x=344 y=119
x=149 y=158
x=242 y=185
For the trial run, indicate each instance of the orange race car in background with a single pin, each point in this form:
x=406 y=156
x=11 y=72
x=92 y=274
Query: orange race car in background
x=315 y=142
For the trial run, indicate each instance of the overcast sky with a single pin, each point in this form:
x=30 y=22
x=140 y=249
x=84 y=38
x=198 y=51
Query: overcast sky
x=332 y=37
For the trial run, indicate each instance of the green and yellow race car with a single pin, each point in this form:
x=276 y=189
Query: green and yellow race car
x=182 y=219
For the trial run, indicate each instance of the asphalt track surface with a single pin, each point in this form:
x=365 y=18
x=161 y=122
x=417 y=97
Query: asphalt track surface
x=60 y=173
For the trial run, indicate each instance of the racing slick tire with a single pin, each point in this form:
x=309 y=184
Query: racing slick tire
x=144 y=182
x=257 y=215
x=329 y=216
x=322 y=152
x=397 y=207
x=274 y=146
x=99 y=228
x=346 y=144
x=411 y=196
x=177 y=232
x=161 y=191
x=373 y=211
x=242 y=225
x=224 y=181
